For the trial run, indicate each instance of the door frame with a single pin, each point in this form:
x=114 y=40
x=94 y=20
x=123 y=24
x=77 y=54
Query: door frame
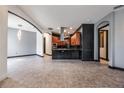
x=44 y=40
x=99 y=29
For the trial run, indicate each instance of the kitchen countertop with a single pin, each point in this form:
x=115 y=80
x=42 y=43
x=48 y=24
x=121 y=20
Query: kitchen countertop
x=66 y=49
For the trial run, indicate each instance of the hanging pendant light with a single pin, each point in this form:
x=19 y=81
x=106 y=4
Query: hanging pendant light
x=19 y=34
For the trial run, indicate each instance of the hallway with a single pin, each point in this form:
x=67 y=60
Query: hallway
x=41 y=72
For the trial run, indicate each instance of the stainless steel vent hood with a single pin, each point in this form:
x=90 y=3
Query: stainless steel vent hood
x=62 y=33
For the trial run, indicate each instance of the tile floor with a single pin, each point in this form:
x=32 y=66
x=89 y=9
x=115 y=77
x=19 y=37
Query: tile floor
x=38 y=72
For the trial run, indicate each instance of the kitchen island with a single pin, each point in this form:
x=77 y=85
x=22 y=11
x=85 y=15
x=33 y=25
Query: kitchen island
x=66 y=53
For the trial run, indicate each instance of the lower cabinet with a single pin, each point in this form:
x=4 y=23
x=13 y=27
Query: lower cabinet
x=66 y=54
x=87 y=55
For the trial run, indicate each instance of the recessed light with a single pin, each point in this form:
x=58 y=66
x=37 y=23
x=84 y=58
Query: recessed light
x=64 y=30
x=58 y=28
x=88 y=20
x=70 y=27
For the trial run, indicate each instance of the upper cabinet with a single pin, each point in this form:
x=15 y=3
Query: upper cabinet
x=55 y=39
x=75 y=39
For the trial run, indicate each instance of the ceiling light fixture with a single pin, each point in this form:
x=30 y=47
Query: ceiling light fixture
x=19 y=34
x=88 y=20
x=58 y=28
x=70 y=27
x=64 y=30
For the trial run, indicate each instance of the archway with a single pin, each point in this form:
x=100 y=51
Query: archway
x=25 y=27
x=103 y=42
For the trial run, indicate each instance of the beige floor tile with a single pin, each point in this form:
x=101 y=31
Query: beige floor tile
x=39 y=72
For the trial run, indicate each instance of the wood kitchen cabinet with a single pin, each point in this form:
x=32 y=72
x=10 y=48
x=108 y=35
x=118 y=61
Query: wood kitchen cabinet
x=75 y=39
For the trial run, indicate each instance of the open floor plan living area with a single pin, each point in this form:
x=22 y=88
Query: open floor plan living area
x=61 y=46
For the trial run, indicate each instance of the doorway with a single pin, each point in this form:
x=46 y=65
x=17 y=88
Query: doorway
x=103 y=44
x=44 y=45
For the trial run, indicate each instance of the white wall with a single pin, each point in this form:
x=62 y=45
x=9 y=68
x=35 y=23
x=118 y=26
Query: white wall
x=40 y=47
x=119 y=38
x=107 y=19
x=48 y=43
x=25 y=46
x=115 y=37
x=3 y=42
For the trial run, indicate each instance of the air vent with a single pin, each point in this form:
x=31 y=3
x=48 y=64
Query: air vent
x=19 y=25
x=50 y=28
x=118 y=7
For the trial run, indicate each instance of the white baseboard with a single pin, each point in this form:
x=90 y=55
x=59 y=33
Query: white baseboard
x=2 y=77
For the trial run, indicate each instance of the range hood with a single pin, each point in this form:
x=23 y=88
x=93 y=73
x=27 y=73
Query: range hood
x=62 y=33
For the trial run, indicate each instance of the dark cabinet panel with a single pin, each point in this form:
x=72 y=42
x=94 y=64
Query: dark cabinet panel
x=66 y=54
x=87 y=55
x=87 y=42
x=75 y=54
